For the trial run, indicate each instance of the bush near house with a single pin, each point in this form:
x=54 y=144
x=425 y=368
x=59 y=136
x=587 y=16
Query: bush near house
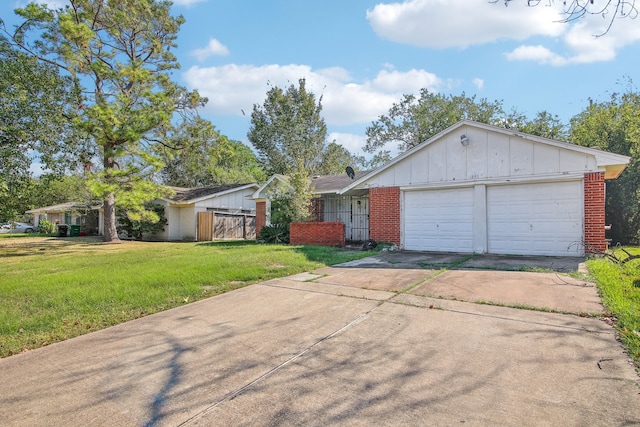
x=274 y=233
x=46 y=226
x=135 y=225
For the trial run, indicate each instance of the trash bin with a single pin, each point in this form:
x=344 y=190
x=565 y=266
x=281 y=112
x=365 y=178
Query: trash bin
x=74 y=230
x=63 y=229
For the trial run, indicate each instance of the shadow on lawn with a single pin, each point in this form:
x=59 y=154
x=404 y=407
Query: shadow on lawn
x=322 y=254
x=22 y=247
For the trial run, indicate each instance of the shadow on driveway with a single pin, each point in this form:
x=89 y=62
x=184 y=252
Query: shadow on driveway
x=437 y=260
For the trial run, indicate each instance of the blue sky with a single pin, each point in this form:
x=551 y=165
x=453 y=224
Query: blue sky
x=363 y=55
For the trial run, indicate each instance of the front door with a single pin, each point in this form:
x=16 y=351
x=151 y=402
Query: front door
x=359 y=227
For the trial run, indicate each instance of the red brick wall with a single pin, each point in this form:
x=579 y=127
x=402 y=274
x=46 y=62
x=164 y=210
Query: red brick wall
x=317 y=233
x=594 y=220
x=261 y=216
x=384 y=214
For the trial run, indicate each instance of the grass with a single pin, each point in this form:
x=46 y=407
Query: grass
x=620 y=290
x=22 y=235
x=55 y=289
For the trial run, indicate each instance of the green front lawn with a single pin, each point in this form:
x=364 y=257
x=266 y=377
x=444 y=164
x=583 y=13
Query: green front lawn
x=620 y=290
x=55 y=289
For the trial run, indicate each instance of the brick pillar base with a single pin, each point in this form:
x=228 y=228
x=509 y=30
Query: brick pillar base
x=594 y=220
x=384 y=214
x=261 y=216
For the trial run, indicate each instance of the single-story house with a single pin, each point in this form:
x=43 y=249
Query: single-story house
x=209 y=213
x=474 y=188
x=89 y=218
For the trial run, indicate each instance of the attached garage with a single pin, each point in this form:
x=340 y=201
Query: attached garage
x=484 y=189
x=525 y=219
x=439 y=220
x=535 y=219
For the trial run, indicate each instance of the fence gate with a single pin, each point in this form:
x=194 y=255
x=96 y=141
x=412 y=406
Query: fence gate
x=205 y=226
x=213 y=225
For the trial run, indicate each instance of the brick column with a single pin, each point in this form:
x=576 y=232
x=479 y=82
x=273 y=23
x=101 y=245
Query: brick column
x=384 y=214
x=261 y=216
x=594 y=237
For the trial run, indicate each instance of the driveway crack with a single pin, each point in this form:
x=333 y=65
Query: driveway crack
x=276 y=368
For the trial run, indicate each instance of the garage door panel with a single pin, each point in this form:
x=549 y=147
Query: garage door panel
x=536 y=219
x=439 y=220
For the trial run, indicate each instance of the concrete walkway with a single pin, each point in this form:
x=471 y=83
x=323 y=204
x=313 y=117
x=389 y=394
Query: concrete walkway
x=341 y=346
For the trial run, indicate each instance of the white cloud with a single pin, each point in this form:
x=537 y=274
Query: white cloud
x=214 y=48
x=446 y=24
x=581 y=45
x=478 y=83
x=232 y=88
x=187 y=2
x=537 y=53
x=351 y=142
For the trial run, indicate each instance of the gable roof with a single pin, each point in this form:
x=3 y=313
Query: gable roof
x=65 y=207
x=323 y=184
x=192 y=195
x=277 y=178
x=612 y=164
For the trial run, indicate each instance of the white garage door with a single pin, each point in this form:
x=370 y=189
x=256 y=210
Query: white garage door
x=535 y=219
x=439 y=220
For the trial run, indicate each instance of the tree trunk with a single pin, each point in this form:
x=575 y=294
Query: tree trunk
x=109 y=206
x=110 y=231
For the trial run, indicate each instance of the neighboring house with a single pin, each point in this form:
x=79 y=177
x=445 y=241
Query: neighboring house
x=208 y=213
x=328 y=205
x=475 y=188
x=89 y=218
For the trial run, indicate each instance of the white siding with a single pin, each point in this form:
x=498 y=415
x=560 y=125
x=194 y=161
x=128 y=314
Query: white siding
x=439 y=220
x=516 y=219
x=173 y=224
x=535 y=219
x=188 y=223
x=489 y=156
x=234 y=201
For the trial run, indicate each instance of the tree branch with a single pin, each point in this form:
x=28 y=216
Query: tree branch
x=576 y=9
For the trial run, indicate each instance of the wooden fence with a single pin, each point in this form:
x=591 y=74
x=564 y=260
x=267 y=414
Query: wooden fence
x=225 y=226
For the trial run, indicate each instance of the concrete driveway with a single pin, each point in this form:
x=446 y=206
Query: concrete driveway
x=401 y=344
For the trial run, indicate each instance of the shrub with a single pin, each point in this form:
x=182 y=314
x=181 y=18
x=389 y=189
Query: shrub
x=46 y=226
x=274 y=233
x=136 y=225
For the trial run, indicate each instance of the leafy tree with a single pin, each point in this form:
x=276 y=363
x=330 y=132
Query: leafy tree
x=614 y=125
x=288 y=131
x=336 y=158
x=49 y=190
x=545 y=125
x=200 y=156
x=416 y=119
x=118 y=54
x=578 y=9
x=34 y=125
x=289 y=203
x=289 y=135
